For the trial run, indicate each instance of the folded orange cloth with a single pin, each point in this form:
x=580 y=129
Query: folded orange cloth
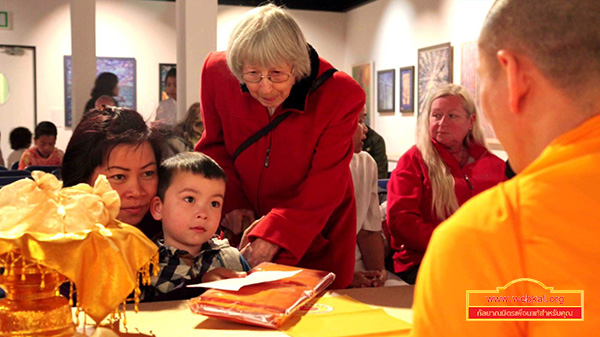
x=265 y=304
x=74 y=231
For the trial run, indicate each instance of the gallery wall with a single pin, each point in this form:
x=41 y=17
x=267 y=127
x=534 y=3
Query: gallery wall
x=144 y=30
x=389 y=34
x=385 y=32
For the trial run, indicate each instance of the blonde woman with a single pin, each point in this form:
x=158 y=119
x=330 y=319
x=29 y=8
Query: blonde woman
x=295 y=176
x=449 y=164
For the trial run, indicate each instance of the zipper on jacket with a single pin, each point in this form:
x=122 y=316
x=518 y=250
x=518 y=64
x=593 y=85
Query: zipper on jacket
x=262 y=172
x=267 y=156
x=468 y=181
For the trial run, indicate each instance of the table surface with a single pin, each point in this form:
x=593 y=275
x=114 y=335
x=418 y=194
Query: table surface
x=174 y=318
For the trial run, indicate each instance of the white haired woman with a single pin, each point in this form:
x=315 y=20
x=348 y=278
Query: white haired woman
x=449 y=164
x=296 y=173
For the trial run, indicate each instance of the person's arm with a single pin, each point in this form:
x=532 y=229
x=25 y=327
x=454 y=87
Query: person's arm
x=300 y=221
x=380 y=156
x=404 y=200
x=371 y=247
x=369 y=239
x=212 y=142
x=25 y=160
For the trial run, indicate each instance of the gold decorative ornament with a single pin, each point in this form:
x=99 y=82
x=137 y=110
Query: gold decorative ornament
x=49 y=235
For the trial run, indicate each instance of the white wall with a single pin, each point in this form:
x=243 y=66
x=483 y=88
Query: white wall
x=389 y=33
x=144 y=30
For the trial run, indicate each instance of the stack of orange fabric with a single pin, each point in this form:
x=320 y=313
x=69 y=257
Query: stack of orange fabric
x=266 y=304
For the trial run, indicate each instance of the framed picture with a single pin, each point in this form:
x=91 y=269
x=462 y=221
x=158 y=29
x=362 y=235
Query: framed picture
x=123 y=67
x=435 y=69
x=407 y=89
x=470 y=80
x=386 y=90
x=362 y=74
x=163 y=69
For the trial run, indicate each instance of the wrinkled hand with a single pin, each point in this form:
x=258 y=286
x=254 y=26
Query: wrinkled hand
x=368 y=279
x=234 y=220
x=259 y=251
x=221 y=273
x=245 y=241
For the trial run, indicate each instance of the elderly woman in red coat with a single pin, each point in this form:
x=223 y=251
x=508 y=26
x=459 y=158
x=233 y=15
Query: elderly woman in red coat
x=449 y=164
x=297 y=175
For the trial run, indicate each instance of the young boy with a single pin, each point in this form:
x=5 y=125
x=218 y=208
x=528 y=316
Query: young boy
x=20 y=140
x=44 y=152
x=190 y=196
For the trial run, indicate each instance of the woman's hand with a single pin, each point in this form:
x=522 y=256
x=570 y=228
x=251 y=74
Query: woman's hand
x=369 y=278
x=259 y=251
x=238 y=220
x=221 y=273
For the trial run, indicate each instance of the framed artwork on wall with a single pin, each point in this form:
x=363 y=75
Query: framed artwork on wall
x=362 y=74
x=435 y=69
x=123 y=67
x=407 y=89
x=163 y=69
x=386 y=90
x=470 y=80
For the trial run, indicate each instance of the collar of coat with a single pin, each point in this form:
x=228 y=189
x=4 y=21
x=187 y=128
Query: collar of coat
x=297 y=98
x=475 y=150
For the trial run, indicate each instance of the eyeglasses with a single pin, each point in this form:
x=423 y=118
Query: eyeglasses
x=273 y=76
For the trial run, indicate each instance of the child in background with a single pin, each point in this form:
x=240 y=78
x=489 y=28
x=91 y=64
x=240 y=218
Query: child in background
x=167 y=109
x=44 y=152
x=190 y=196
x=20 y=140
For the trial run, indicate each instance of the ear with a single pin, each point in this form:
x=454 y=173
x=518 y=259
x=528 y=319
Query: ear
x=156 y=208
x=472 y=119
x=517 y=79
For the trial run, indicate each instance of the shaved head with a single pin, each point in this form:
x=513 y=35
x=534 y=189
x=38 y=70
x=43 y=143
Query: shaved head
x=561 y=37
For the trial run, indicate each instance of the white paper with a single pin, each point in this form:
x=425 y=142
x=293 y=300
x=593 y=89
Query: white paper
x=256 y=277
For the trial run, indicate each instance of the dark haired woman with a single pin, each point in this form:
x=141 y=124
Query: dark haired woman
x=117 y=143
x=106 y=84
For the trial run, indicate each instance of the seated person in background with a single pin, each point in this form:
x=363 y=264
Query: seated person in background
x=375 y=146
x=167 y=108
x=44 y=152
x=105 y=100
x=183 y=136
x=189 y=203
x=369 y=267
x=543 y=223
x=20 y=140
x=117 y=143
x=449 y=164
x=192 y=127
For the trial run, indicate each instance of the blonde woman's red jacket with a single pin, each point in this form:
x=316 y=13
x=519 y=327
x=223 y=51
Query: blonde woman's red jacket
x=410 y=218
x=298 y=175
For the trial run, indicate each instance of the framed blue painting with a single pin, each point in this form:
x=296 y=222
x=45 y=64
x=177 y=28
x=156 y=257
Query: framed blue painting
x=123 y=67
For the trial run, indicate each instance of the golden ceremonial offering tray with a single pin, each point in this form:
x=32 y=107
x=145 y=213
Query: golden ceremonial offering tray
x=49 y=235
x=32 y=306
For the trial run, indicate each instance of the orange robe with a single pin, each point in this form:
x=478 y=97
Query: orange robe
x=543 y=224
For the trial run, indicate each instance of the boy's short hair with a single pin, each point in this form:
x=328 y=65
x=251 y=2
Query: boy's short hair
x=45 y=129
x=193 y=162
x=20 y=138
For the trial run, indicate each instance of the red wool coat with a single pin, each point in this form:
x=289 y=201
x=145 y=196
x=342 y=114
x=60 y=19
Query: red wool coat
x=298 y=175
x=410 y=218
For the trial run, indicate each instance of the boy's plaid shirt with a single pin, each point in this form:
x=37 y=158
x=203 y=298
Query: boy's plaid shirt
x=178 y=267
